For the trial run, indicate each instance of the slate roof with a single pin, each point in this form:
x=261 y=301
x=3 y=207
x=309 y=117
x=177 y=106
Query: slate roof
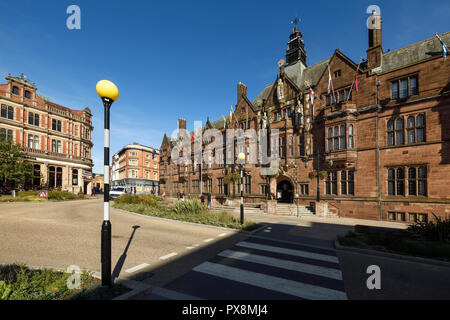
x=423 y=50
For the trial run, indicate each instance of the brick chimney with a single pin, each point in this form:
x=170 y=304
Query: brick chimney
x=375 y=51
x=242 y=91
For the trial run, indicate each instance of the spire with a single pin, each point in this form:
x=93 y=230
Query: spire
x=296 y=47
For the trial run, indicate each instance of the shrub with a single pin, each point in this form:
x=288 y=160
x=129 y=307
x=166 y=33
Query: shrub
x=60 y=195
x=437 y=230
x=188 y=206
x=27 y=193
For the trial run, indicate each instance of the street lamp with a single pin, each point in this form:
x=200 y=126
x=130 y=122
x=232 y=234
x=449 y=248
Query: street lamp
x=109 y=93
x=241 y=158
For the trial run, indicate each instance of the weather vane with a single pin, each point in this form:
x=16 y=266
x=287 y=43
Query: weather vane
x=296 y=20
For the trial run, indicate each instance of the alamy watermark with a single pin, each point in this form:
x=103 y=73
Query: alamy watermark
x=223 y=149
x=73 y=22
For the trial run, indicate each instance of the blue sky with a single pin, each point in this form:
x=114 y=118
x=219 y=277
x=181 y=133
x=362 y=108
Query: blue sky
x=184 y=58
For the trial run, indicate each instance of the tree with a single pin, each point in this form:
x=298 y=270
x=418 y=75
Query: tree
x=13 y=166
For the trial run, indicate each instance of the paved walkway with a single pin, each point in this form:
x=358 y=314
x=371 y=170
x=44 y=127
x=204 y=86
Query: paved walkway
x=262 y=268
x=317 y=227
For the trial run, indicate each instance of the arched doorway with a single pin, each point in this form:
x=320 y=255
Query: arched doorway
x=285 y=192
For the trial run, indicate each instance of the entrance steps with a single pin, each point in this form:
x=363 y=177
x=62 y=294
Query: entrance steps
x=292 y=209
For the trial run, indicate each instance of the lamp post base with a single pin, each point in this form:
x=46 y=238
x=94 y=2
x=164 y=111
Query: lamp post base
x=106 y=253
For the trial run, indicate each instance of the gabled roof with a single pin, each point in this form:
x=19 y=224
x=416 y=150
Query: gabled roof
x=423 y=50
x=257 y=103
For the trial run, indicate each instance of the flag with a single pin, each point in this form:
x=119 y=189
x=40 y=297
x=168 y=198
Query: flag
x=192 y=136
x=153 y=154
x=231 y=113
x=356 y=81
x=224 y=121
x=445 y=49
x=246 y=112
x=311 y=94
x=330 y=83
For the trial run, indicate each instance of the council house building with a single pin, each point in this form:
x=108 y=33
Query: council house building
x=376 y=132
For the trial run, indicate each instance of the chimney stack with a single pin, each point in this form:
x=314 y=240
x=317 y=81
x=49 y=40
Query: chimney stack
x=182 y=123
x=375 y=51
x=242 y=91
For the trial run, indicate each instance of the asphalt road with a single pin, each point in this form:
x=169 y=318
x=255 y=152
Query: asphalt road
x=59 y=234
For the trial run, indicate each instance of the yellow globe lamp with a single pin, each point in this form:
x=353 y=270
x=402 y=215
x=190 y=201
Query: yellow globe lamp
x=107 y=90
x=241 y=156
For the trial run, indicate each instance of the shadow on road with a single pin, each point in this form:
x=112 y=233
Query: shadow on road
x=121 y=261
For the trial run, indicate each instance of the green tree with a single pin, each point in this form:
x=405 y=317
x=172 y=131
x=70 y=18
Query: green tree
x=13 y=166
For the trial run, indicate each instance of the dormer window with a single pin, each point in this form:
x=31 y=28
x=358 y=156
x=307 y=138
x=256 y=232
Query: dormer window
x=27 y=94
x=15 y=90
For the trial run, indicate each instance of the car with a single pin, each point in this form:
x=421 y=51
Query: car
x=116 y=192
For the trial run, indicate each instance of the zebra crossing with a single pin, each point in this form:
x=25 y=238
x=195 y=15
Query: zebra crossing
x=264 y=268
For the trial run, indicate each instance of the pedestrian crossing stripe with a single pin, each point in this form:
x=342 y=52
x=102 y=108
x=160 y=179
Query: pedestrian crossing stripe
x=299 y=253
x=285 y=264
x=294 y=288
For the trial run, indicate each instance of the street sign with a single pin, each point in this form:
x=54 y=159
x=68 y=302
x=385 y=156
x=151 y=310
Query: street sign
x=43 y=194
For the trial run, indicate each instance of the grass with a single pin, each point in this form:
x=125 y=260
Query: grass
x=18 y=282
x=401 y=242
x=188 y=210
x=32 y=195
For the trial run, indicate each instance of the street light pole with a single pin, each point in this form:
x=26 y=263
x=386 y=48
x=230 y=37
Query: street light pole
x=108 y=92
x=241 y=158
x=318 y=182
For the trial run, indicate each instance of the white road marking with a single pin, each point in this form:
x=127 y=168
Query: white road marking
x=136 y=268
x=167 y=256
x=267 y=230
x=208 y=240
x=294 y=288
x=299 y=253
x=222 y=234
x=285 y=264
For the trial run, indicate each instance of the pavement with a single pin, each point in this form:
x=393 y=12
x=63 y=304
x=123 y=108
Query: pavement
x=292 y=258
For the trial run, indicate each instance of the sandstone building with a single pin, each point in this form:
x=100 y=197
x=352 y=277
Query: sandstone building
x=136 y=167
x=56 y=139
x=387 y=134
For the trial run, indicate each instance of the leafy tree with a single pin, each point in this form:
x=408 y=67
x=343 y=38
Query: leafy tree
x=13 y=166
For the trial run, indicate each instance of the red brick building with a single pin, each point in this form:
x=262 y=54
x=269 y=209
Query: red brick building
x=58 y=140
x=136 y=167
x=389 y=140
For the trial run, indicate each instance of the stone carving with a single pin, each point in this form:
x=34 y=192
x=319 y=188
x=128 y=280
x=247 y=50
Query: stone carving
x=280 y=89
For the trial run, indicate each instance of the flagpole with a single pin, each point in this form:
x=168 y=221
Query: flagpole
x=357 y=69
x=332 y=86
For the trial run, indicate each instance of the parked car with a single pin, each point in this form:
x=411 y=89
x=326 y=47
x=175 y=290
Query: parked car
x=116 y=192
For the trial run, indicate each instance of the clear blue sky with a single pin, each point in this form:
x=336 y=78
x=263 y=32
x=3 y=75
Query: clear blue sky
x=175 y=59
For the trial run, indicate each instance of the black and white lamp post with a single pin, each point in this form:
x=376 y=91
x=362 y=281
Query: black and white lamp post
x=241 y=158
x=109 y=93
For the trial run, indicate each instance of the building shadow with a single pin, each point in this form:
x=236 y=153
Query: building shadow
x=123 y=257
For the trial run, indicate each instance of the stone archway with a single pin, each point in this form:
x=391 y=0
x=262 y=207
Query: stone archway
x=285 y=190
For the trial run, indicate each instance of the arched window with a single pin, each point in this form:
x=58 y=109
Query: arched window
x=3 y=134
x=399 y=134
x=15 y=90
x=58 y=177
x=410 y=129
x=51 y=177
x=420 y=128
x=75 y=177
x=391 y=182
x=36 y=142
x=350 y=137
x=30 y=141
